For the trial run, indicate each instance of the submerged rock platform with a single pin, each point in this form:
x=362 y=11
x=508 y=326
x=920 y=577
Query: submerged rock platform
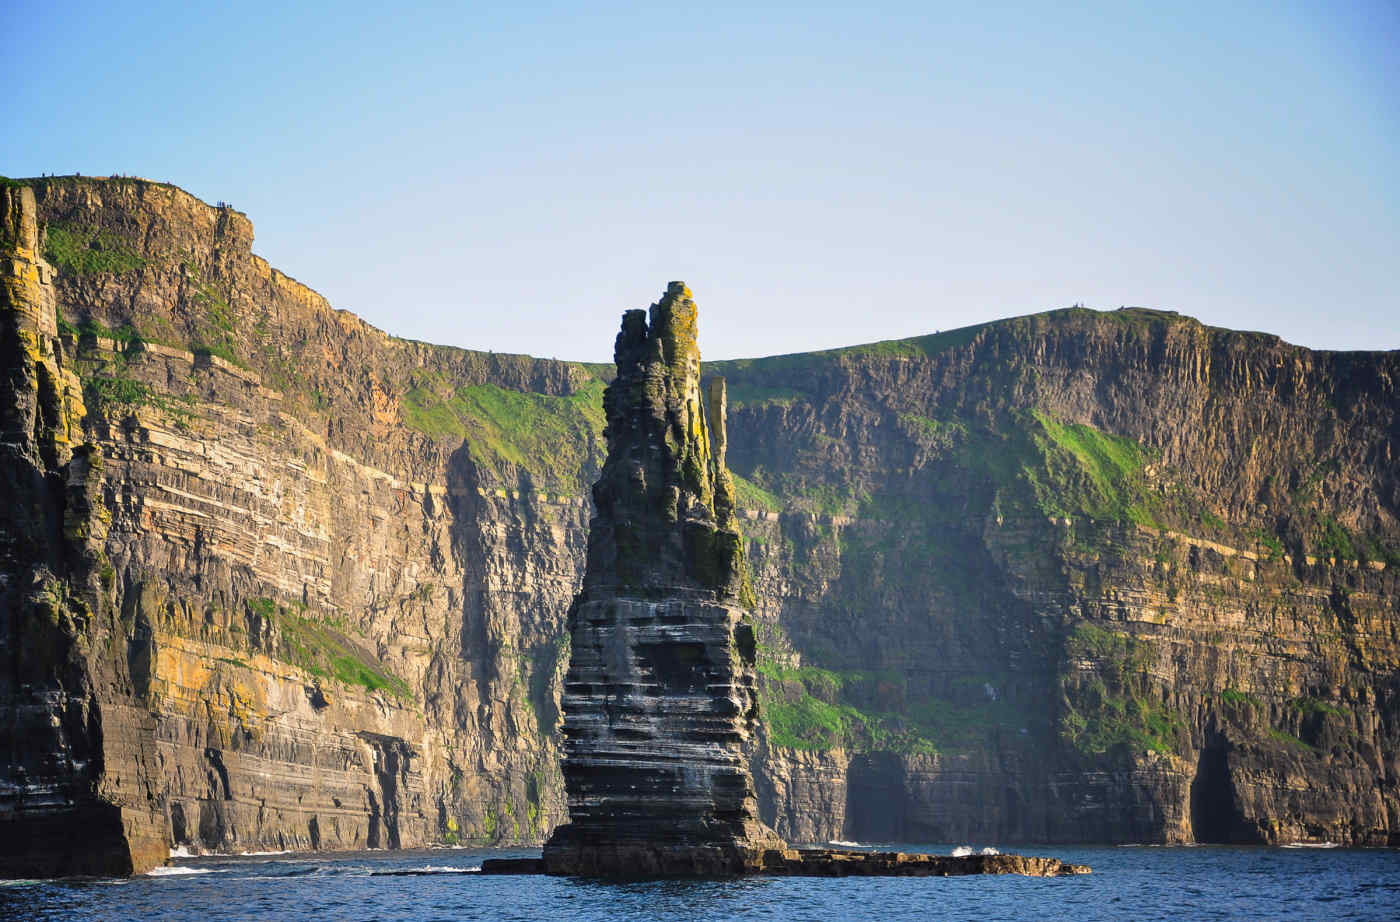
x=799 y=862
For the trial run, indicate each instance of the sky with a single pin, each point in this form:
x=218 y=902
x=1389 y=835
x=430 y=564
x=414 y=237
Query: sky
x=511 y=177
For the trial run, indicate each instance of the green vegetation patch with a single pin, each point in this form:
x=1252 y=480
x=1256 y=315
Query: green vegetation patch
x=915 y=347
x=757 y=395
x=1332 y=539
x=1039 y=465
x=1270 y=544
x=423 y=410
x=215 y=329
x=1087 y=471
x=750 y=495
x=549 y=438
x=124 y=336
x=1309 y=706
x=325 y=651
x=117 y=393
x=87 y=251
x=1289 y=739
x=1234 y=696
x=809 y=707
x=1107 y=706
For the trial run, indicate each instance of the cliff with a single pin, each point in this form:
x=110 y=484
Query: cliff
x=1116 y=577
x=322 y=572
x=274 y=579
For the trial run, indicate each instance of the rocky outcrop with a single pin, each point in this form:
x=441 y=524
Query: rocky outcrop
x=660 y=697
x=78 y=785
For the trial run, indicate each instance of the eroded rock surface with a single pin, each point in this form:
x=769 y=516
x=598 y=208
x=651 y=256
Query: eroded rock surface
x=660 y=698
x=272 y=578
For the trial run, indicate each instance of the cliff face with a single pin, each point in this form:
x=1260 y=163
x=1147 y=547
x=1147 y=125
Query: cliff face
x=273 y=579
x=1113 y=577
x=332 y=573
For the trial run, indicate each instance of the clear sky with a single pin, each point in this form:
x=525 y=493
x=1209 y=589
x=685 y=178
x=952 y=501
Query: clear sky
x=512 y=176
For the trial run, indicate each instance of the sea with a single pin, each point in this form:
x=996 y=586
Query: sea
x=444 y=885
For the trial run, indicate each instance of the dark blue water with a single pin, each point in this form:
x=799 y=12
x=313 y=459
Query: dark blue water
x=1128 y=883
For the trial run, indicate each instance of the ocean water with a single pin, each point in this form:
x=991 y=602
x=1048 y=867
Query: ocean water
x=1135 y=883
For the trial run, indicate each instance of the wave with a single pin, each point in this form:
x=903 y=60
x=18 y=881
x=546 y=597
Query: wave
x=842 y=843
x=1313 y=845
x=287 y=851
x=962 y=851
x=183 y=851
x=989 y=851
x=177 y=872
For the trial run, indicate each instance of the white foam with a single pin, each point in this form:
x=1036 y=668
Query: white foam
x=842 y=843
x=962 y=851
x=443 y=869
x=287 y=851
x=990 y=851
x=183 y=851
x=1313 y=845
x=176 y=872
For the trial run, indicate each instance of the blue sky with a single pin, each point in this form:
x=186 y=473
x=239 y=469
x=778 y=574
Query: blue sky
x=513 y=177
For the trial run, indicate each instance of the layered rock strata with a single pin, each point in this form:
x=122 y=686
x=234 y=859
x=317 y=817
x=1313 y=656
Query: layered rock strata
x=79 y=791
x=1108 y=575
x=660 y=695
x=246 y=606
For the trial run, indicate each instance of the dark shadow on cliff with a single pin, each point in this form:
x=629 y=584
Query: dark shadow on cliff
x=464 y=499
x=1214 y=814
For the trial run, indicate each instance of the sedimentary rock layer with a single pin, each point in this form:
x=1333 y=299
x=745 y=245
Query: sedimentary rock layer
x=1113 y=575
x=659 y=699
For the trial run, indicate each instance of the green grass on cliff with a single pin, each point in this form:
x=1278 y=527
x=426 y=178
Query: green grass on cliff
x=750 y=495
x=84 y=251
x=1106 y=704
x=915 y=347
x=809 y=707
x=805 y=708
x=1084 y=471
x=326 y=652
x=1033 y=463
x=753 y=396
x=1037 y=464
x=550 y=439
x=423 y=410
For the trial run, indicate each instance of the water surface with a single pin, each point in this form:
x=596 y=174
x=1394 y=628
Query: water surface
x=1146 y=883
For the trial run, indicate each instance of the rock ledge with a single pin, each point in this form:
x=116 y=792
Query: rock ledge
x=649 y=861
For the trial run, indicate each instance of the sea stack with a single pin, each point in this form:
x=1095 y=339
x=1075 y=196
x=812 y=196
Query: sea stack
x=660 y=695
